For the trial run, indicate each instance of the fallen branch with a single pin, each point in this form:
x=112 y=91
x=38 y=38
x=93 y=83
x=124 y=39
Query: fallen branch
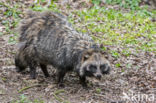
x=25 y=88
x=58 y=92
x=58 y=98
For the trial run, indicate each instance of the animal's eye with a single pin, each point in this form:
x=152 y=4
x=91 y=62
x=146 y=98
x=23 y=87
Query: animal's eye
x=93 y=68
x=102 y=67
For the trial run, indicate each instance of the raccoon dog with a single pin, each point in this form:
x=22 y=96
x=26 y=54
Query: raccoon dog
x=48 y=39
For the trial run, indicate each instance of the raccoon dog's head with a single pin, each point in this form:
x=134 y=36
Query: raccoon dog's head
x=94 y=64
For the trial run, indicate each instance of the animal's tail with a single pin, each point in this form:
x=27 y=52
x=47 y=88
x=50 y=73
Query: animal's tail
x=30 y=25
x=35 y=22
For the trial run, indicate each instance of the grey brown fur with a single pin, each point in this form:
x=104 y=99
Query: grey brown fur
x=48 y=38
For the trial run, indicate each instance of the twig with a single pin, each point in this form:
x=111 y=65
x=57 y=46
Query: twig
x=3 y=94
x=25 y=88
x=58 y=92
x=58 y=98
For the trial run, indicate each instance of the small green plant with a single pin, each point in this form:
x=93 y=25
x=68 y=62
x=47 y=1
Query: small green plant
x=45 y=1
x=98 y=90
x=1 y=33
x=115 y=54
x=128 y=65
x=126 y=52
x=25 y=99
x=4 y=79
x=118 y=65
x=96 y=2
x=39 y=7
x=22 y=99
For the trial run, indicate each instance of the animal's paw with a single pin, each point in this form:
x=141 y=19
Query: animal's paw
x=61 y=85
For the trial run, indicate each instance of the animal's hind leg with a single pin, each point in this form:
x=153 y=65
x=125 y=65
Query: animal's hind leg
x=44 y=69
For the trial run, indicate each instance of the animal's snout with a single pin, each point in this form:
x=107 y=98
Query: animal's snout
x=99 y=76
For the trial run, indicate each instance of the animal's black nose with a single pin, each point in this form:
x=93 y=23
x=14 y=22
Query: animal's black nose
x=99 y=77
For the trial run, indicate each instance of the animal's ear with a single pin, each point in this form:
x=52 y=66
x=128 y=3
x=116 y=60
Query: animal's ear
x=86 y=55
x=105 y=54
x=21 y=45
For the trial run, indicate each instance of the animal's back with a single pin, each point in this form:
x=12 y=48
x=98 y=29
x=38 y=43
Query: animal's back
x=34 y=22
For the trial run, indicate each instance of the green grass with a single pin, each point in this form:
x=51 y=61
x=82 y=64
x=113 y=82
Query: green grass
x=39 y=7
x=52 y=7
x=129 y=4
x=12 y=14
x=12 y=17
x=112 y=27
x=132 y=29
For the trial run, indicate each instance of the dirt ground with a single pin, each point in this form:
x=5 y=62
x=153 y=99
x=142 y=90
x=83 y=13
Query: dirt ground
x=128 y=86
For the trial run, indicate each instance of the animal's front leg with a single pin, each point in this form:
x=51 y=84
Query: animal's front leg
x=83 y=81
x=60 y=76
x=32 y=70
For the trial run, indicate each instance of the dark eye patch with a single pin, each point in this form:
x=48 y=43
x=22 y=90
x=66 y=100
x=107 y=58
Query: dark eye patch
x=93 y=68
x=103 y=66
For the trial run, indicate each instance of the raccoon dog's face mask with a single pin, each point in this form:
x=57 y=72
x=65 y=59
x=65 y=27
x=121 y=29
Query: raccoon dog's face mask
x=94 y=64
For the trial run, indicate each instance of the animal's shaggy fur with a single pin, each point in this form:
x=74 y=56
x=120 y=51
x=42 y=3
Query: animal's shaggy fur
x=47 y=38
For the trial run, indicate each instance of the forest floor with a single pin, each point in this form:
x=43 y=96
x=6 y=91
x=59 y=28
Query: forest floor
x=130 y=39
